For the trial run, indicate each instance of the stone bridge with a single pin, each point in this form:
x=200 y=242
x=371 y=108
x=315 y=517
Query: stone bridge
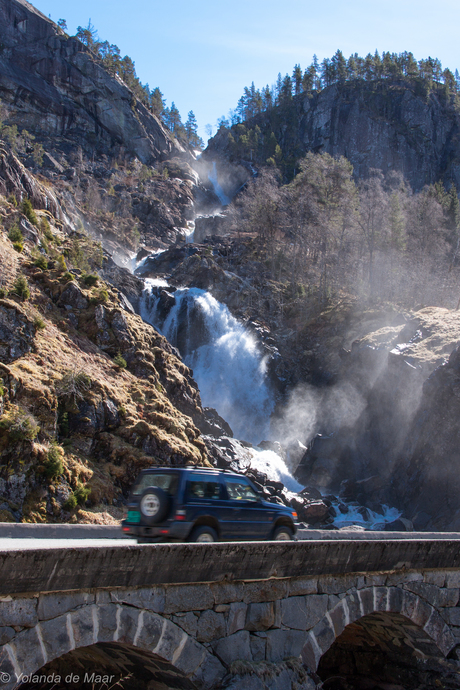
x=244 y=616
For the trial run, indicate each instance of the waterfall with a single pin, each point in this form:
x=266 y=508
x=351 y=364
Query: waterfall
x=212 y=176
x=231 y=373
x=227 y=363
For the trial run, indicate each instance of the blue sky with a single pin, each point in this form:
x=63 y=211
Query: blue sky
x=201 y=54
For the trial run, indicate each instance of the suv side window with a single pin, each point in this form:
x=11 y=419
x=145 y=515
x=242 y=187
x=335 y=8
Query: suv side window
x=238 y=489
x=201 y=486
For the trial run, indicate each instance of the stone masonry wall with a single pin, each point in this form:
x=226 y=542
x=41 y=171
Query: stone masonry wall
x=227 y=631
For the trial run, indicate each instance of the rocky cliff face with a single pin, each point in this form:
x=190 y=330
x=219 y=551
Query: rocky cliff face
x=426 y=478
x=387 y=420
x=100 y=147
x=380 y=125
x=52 y=85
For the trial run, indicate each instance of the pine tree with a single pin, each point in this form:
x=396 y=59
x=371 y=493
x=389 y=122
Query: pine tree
x=191 y=131
x=157 y=102
x=297 y=79
x=88 y=36
x=174 y=119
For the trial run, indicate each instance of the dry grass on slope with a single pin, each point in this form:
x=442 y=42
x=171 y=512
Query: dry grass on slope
x=76 y=426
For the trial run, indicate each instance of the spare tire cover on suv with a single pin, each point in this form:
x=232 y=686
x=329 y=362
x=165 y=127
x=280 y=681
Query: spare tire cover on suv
x=154 y=505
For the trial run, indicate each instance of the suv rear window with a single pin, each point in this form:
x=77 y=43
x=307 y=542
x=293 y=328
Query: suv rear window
x=166 y=481
x=203 y=486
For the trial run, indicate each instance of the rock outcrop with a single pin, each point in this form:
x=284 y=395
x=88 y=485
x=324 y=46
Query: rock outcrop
x=52 y=85
x=426 y=479
x=388 y=126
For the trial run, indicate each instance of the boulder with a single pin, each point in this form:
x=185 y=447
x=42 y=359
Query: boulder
x=16 y=332
x=310 y=512
x=72 y=297
x=213 y=424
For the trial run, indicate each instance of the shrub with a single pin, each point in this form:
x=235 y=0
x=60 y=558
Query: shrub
x=120 y=361
x=12 y=199
x=78 y=254
x=20 y=425
x=63 y=425
x=82 y=493
x=61 y=264
x=46 y=228
x=15 y=235
x=29 y=212
x=41 y=262
x=71 y=503
x=91 y=280
x=17 y=238
x=54 y=466
x=74 y=384
x=21 y=288
x=39 y=323
x=102 y=296
x=2 y=293
x=67 y=277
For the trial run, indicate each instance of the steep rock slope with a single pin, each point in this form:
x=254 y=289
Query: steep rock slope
x=55 y=86
x=83 y=129
x=89 y=393
x=383 y=125
x=426 y=479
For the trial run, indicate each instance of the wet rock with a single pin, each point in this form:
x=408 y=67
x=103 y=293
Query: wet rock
x=311 y=492
x=399 y=525
x=421 y=521
x=275 y=446
x=213 y=424
x=208 y=225
x=165 y=303
x=277 y=486
x=310 y=512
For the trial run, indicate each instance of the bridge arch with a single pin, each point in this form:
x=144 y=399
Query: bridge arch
x=384 y=616
x=111 y=626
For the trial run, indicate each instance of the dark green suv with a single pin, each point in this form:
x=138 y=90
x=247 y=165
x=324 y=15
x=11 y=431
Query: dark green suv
x=201 y=505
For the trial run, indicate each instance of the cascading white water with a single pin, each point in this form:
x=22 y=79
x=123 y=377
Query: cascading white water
x=227 y=364
x=231 y=373
x=212 y=176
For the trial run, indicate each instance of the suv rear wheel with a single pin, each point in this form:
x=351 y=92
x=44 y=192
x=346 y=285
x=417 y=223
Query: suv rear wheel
x=154 y=505
x=203 y=534
x=282 y=534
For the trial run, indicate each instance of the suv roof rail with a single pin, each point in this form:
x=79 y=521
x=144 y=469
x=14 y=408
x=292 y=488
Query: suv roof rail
x=199 y=467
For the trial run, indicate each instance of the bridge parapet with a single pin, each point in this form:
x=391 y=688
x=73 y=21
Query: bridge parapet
x=203 y=629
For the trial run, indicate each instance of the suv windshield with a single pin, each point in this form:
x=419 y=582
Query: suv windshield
x=166 y=481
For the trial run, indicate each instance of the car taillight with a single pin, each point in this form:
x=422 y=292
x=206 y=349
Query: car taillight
x=164 y=531
x=180 y=514
x=294 y=515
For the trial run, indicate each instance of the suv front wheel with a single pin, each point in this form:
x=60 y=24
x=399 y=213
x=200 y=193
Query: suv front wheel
x=282 y=534
x=203 y=534
x=154 y=505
